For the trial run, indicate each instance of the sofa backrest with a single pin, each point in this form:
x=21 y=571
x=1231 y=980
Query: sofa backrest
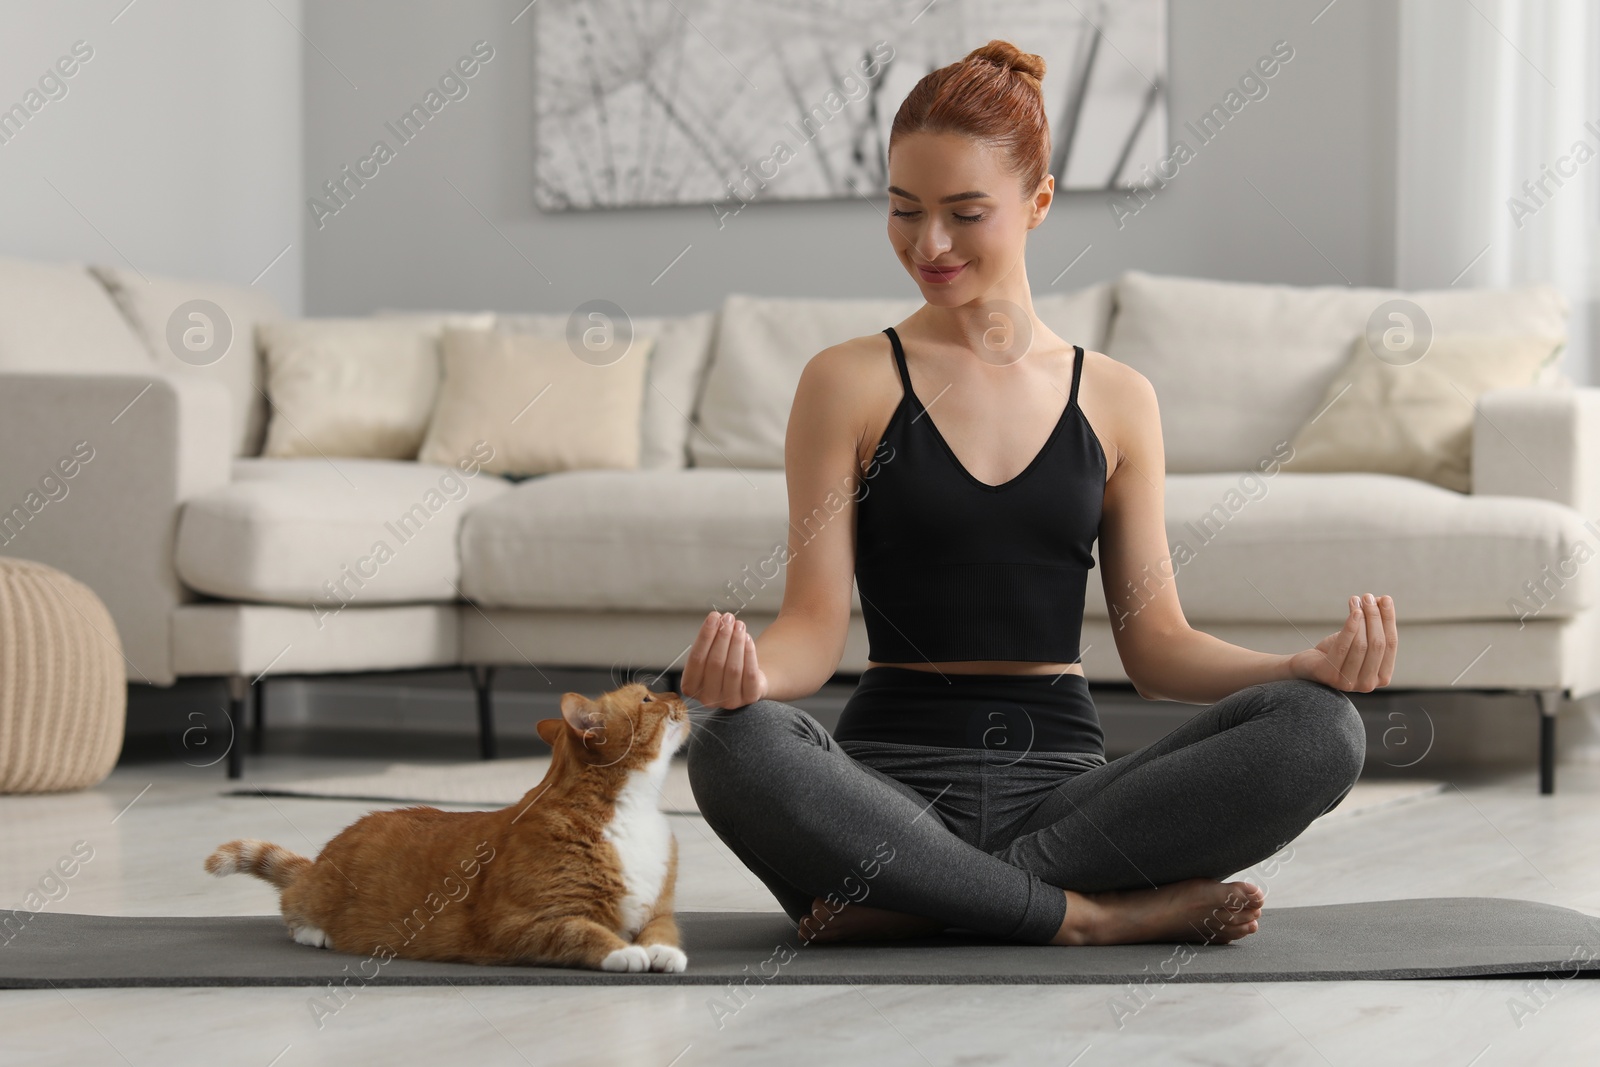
x=56 y=318
x=1239 y=367
x=763 y=343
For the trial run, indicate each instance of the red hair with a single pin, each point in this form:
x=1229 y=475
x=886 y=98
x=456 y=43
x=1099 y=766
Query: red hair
x=991 y=94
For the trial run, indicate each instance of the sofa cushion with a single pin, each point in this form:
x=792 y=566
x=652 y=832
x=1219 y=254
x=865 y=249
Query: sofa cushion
x=630 y=541
x=1238 y=367
x=359 y=387
x=149 y=304
x=1293 y=547
x=1415 y=418
x=672 y=380
x=356 y=531
x=588 y=418
x=763 y=343
x=57 y=318
x=1248 y=547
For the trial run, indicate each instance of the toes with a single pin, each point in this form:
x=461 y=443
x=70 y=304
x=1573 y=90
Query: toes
x=1222 y=925
x=1247 y=890
x=1244 y=892
x=629 y=959
x=667 y=958
x=1230 y=933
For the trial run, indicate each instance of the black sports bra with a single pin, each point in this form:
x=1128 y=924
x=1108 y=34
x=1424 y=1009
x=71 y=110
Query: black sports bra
x=951 y=568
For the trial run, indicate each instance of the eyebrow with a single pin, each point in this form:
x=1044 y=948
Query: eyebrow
x=952 y=198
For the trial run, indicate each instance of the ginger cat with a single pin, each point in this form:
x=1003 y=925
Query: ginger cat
x=579 y=872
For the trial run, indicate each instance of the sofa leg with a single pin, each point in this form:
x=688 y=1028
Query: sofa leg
x=1549 y=704
x=483 y=684
x=258 y=716
x=238 y=694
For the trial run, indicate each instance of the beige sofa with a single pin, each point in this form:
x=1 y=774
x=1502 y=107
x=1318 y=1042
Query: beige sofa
x=216 y=562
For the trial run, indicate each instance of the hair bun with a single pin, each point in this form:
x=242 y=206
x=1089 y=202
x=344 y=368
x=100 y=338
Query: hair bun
x=1008 y=56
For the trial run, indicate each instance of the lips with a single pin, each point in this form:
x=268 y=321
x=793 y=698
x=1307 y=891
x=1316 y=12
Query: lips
x=939 y=274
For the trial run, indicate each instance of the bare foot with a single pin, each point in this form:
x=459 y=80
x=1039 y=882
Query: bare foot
x=857 y=922
x=1195 y=909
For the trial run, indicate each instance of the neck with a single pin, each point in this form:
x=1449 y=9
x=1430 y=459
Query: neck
x=989 y=326
x=571 y=777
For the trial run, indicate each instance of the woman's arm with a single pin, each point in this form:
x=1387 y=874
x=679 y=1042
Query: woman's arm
x=1162 y=654
x=799 y=651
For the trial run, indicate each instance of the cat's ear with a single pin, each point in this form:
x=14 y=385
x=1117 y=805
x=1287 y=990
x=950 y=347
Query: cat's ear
x=549 y=730
x=582 y=715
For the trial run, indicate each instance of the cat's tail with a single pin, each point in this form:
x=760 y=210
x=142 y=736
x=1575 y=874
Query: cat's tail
x=269 y=862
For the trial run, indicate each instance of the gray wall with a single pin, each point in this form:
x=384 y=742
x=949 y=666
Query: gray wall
x=1298 y=188
x=175 y=149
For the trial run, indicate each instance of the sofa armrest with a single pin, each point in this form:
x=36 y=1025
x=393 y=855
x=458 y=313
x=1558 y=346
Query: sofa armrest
x=93 y=471
x=1537 y=441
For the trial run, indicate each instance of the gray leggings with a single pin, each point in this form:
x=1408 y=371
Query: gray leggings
x=985 y=840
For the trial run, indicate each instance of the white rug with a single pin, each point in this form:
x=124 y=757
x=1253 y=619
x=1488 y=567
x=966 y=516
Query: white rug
x=487 y=784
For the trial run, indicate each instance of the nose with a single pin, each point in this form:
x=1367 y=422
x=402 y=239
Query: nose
x=930 y=244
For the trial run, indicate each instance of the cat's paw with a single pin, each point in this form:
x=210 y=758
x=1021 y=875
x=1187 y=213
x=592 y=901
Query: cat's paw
x=628 y=959
x=667 y=958
x=313 y=936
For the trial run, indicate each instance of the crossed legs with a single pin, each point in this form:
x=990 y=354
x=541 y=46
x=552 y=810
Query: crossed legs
x=1227 y=789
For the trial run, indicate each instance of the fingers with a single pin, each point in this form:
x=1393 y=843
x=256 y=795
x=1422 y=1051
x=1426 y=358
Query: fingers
x=733 y=665
x=1375 y=643
x=1371 y=659
x=1355 y=661
x=1344 y=655
x=1391 y=637
x=694 y=670
x=702 y=679
x=1364 y=652
x=750 y=684
x=722 y=671
x=716 y=662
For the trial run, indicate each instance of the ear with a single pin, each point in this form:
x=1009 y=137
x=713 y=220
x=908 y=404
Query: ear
x=549 y=730
x=1043 y=197
x=582 y=715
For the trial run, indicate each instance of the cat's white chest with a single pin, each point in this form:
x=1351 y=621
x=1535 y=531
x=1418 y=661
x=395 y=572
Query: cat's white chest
x=643 y=841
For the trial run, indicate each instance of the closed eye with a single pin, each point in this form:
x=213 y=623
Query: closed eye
x=959 y=217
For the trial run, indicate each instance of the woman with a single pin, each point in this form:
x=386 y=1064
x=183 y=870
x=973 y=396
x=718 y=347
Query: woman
x=966 y=784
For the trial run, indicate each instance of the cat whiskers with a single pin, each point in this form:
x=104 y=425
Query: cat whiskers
x=703 y=719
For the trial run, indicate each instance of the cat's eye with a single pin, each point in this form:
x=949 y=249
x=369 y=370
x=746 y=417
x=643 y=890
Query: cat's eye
x=647 y=698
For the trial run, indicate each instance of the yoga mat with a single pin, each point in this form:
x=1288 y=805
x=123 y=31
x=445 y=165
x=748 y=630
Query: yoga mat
x=1428 y=937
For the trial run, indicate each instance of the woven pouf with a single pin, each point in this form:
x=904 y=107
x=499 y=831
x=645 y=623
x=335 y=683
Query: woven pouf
x=63 y=691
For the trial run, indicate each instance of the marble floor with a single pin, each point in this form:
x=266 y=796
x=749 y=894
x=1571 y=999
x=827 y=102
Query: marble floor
x=151 y=823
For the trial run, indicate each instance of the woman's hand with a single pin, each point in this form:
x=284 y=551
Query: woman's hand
x=722 y=671
x=1359 y=657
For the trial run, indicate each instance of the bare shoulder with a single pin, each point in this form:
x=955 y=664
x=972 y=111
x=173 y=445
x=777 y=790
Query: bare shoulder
x=853 y=361
x=1120 y=404
x=850 y=387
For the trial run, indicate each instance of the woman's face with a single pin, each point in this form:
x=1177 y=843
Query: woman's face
x=957 y=217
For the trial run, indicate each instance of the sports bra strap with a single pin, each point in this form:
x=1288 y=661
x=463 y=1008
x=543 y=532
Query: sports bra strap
x=905 y=374
x=899 y=358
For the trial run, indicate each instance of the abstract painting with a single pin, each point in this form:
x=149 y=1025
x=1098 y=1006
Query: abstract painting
x=723 y=102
